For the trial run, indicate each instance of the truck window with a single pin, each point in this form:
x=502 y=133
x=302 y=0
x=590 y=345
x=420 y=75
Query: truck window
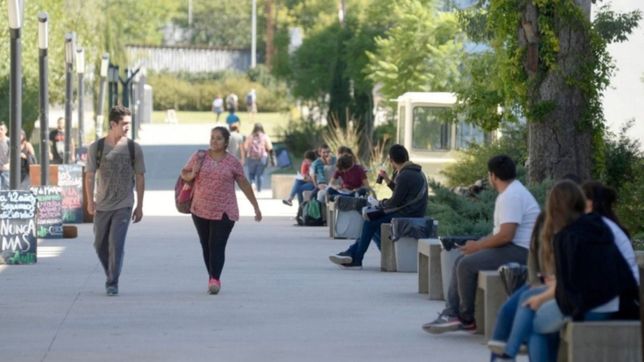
x=467 y=133
x=432 y=129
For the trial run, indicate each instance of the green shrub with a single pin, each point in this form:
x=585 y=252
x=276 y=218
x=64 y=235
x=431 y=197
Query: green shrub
x=469 y=215
x=471 y=163
x=301 y=136
x=630 y=202
x=195 y=92
x=623 y=170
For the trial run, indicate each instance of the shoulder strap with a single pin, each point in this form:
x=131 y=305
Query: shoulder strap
x=130 y=146
x=418 y=197
x=99 y=151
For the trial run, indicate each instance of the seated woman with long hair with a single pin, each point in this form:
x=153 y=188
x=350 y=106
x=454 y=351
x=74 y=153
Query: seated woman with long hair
x=589 y=277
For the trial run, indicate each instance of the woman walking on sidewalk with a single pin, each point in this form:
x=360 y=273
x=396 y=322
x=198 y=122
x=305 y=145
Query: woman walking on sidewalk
x=214 y=205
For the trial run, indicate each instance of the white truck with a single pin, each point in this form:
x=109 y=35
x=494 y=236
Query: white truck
x=431 y=133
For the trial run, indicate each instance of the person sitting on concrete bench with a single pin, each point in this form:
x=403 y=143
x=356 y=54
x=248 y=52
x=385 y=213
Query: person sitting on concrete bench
x=515 y=212
x=592 y=272
x=409 y=187
x=348 y=179
x=321 y=170
x=303 y=181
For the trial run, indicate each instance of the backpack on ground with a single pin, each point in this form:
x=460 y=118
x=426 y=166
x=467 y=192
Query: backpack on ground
x=101 y=145
x=309 y=213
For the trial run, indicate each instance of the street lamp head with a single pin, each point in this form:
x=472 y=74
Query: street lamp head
x=42 y=30
x=80 y=61
x=69 y=48
x=105 y=60
x=15 y=14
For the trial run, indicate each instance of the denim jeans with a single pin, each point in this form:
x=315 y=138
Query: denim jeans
x=370 y=230
x=522 y=324
x=4 y=180
x=299 y=186
x=255 y=171
x=548 y=320
x=505 y=317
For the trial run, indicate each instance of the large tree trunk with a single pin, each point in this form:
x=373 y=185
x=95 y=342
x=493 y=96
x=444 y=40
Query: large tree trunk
x=559 y=143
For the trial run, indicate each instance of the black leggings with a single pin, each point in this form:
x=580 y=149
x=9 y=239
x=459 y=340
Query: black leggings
x=213 y=235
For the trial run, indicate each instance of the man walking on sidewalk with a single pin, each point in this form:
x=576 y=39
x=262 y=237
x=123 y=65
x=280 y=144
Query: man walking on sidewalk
x=117 y=163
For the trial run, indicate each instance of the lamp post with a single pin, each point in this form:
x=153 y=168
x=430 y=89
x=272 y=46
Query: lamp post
x=253 y=47
x=69 y=67
x=80 y=70
x=15 y=90
x=43 y=97
x=98 y=126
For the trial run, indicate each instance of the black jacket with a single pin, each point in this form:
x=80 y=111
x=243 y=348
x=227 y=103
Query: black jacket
x=590 y=269
x=406 y=186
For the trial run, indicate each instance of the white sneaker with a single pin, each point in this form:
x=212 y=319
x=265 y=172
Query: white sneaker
x=498 y=347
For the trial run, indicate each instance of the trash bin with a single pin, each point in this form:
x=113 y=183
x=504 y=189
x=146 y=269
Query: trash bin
x=405 y=234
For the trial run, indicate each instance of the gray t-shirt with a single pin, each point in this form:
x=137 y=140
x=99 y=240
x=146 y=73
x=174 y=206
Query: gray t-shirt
x=5 y=154
x=235 y=143
x=115 y=177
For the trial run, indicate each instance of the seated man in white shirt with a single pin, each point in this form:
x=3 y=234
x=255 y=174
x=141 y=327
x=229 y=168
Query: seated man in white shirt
x=515 y=212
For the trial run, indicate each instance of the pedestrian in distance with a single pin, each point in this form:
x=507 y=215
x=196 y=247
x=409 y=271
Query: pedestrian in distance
x=218 y=107
x=236 y=143
x=57 y=145
x=231 y=102
x=5 y=156
x=115 y=165
x=214 y=205
x=27 y=158
x=232 y=119
x=251 y=104
x=258 y=148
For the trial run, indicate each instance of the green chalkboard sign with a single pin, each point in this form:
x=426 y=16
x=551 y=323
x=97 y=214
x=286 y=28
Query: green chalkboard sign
x=17 y=227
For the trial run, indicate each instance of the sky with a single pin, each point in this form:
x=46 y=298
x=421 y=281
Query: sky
x=624 y=99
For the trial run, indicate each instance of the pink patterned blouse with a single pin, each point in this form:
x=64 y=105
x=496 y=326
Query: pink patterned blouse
x=214 y=192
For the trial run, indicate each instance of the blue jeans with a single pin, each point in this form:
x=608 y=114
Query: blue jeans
x=548 y=320
x=522 y=323
x=299 y=186
x=255 y=171
x=505 y=317
x=370 y=230
x=4 y=180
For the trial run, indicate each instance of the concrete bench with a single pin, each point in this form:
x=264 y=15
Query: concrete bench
x=430 y=278
x=388 y=258
x=281 y=185
x=601 y=341
x=330 y=218
x=387 y=251
x=490 y=295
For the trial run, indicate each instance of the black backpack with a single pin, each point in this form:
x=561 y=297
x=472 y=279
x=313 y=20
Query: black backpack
x=309 y=213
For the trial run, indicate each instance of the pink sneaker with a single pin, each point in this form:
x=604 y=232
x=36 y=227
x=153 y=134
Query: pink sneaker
x=213 y=286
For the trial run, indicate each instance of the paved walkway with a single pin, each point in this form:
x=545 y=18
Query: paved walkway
x=281 y=299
